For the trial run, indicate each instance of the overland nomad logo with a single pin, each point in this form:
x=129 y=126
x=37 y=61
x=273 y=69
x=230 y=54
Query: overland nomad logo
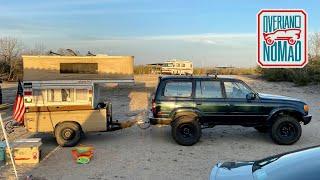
x=282 y=38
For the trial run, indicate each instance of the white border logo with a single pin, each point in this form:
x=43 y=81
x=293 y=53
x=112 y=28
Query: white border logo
x=282 y=38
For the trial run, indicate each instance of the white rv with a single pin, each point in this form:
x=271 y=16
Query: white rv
x=177 y=67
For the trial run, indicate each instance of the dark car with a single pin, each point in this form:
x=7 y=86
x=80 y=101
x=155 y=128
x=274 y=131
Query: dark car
x=302 y=164
x=190 y=103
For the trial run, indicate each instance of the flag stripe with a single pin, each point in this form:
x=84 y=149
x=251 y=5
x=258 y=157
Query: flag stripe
x=19 y=108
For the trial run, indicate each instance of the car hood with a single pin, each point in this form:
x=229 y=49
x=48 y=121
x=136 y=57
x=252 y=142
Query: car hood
x=276 y=97
x=232 y=170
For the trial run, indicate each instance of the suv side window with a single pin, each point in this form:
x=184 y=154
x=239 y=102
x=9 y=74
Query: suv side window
x=208 y=89
x=236 y=90
x=178 y=89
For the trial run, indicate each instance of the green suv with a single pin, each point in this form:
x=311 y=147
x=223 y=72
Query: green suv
x=191 y=103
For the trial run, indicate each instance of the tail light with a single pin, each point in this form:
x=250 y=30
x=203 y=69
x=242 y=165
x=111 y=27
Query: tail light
x=153 y=106
x=28 y=93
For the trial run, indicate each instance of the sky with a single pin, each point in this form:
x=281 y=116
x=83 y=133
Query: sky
x=210 y=33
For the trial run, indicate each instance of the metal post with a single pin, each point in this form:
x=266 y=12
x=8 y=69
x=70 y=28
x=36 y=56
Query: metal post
x=8 y=146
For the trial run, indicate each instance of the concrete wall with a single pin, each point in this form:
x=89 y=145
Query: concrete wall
x=48 y=67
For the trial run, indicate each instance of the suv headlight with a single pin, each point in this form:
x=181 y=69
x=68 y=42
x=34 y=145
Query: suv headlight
x=306 y=108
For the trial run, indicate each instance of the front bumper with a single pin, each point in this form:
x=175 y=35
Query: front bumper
x=306 y=119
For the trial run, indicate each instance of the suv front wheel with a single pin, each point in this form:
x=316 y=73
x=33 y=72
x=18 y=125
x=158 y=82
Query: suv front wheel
x=286 y=130
x=186 y=130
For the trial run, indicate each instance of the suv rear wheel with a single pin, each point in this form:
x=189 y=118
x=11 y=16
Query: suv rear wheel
x=186 y=130
x=286 y=130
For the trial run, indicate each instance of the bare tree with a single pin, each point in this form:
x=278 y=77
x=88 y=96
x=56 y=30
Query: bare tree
x=315 y=44
x=10 y=56
x=38 y=49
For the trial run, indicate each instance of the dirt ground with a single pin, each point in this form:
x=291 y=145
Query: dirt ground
x=134 y=153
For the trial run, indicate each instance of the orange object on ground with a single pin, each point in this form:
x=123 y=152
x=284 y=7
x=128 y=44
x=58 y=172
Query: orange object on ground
x=81 y=151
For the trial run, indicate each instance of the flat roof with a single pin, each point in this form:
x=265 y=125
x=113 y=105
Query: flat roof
x=82 y=57
x=199 y=77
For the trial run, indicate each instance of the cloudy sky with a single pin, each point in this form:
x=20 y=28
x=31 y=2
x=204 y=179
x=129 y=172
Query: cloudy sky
x=210 y=33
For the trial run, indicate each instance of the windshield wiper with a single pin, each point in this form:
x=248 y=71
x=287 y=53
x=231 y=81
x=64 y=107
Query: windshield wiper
x=259 y=164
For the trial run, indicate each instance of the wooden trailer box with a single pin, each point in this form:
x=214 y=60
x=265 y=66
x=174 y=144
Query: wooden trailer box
x=90 y=120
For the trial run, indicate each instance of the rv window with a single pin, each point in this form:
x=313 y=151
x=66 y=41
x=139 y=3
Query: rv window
x=178 y=65
x=81 y=94
x=79 y=68
x=168 y=65
x=60 y=95
x=191 y=65
x=183 y=65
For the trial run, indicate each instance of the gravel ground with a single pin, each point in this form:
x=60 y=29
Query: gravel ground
x=134 y=153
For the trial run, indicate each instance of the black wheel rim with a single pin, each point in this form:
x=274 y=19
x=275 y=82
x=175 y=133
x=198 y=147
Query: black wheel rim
x=187 y=130
x=287 y=130
x=67 y=134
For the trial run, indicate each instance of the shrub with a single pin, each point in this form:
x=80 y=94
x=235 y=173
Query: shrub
x=302 y=76
x=141 y=69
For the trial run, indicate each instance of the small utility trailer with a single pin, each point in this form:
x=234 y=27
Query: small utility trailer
x=68 y=109
x=61 y=94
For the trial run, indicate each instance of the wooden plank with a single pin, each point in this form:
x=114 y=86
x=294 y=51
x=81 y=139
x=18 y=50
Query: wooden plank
x=58 y=108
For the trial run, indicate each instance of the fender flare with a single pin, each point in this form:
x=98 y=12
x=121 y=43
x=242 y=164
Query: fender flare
x=185 y=112
x=288 y=110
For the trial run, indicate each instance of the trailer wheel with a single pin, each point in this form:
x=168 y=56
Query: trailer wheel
x=67 y=134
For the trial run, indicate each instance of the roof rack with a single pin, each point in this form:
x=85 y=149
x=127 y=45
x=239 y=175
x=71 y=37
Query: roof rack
x=214 y=75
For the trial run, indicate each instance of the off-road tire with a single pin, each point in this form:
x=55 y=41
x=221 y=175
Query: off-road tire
x=67 y=134
x=285 y=130
x=186 y=130
x=262 y=129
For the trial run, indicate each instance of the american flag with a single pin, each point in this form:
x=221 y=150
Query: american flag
x=18 y=107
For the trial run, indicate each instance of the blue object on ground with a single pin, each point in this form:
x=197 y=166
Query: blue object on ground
x=2 y=151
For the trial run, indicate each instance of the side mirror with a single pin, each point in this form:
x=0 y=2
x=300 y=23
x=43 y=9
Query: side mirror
x=251 y=96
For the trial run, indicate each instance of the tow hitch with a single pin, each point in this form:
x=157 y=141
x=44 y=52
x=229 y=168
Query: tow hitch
x=116 y=125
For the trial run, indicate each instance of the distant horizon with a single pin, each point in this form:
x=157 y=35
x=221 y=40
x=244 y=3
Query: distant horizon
x=210 y=33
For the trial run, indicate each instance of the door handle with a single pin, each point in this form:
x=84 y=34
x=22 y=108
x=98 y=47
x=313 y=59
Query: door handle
x=199 y=103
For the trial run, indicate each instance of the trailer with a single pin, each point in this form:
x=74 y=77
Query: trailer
x=61 y=95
